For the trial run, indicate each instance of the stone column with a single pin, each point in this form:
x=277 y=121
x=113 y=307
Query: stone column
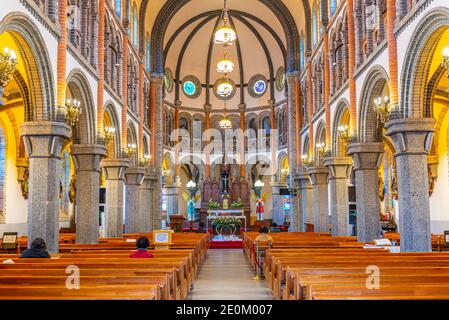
x=44 y=141
x=114 y=172
x=367 y=158
x=306 y=195
x=133 y=219
x=173 y=197
x=339 y=171
x=145 y=203
x=278 y=202
x=292 y=98
x=87 y=165
x=155 y=209
x=318 y=179
x=412 y=139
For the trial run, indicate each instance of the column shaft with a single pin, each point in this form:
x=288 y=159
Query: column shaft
x=318 y=179
x=133 y=218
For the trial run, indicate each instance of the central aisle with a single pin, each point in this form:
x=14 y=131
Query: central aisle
x=227 y=275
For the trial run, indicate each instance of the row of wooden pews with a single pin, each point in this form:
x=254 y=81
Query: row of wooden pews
x=306 y=272
x=106 y=271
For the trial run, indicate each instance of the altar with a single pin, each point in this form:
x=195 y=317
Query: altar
x=227 y=225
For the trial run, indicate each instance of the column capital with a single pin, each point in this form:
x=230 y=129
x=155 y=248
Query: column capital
x=114 y=169
x=207 y=107
x=292 y=77
x=339 y=167
x=157 y=78
x=411 y=136
x=87 y=157
x=134 y=176
x=318 y=175
x=37 y=136
x=242 y=107
x=178 y=104
x=366 y=155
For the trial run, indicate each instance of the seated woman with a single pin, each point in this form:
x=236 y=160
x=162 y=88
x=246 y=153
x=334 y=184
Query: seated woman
x=38 y=249
x=142 y=245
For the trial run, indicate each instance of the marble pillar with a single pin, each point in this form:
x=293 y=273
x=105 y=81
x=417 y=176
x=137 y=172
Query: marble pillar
x=367 y=158
x=292 y=99
x=173 y=197
x=145 y=202
x=156 y=199
x=43 y=142
x=114 y=173
x=133 y=218
x=86 y=159
x=413 y=139
x=339 y=171
x=278 y=202
x=318 y=178
x=306 y=196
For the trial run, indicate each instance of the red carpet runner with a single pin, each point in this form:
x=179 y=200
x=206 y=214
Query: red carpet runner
x=226 y=244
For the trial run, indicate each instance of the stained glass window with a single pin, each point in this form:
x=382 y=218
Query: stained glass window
x=118 y=6
x=333 y=6
x=189 y=88
x=135 y=27
x=314 y=26
x=148 y=57
x=301 y=52
x=260 y=87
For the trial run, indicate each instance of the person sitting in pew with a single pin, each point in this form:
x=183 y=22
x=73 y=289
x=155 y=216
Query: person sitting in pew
x=142 y=245
x=38 y=249
x=263 y=235
x=274 y=228
x=201 y=228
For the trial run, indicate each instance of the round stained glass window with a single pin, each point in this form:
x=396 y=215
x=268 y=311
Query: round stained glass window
x=257 y=86
x=260 y=87
x=189 y=88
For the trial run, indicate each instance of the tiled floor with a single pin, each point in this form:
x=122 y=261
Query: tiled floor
x=227 y=275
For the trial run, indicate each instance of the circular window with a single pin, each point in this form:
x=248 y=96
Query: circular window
x=191 y=87
x=280 y=79
x=168 y=80
x=257 y=86
x=225 y=89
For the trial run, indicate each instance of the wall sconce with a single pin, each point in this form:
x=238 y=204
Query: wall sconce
x=382 y=108
x=8 y=64
x=322 y=149
x=109 y=133
x=146 y=160
x=306 y=160
x=344 y=132
x=130 y=150
x=73 y=112
x=285 y=171
x=445 y=60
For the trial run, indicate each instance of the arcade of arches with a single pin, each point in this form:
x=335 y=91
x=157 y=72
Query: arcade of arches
x=349 y=116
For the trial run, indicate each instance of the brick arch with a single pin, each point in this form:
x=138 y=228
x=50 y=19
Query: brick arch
x=320 y=136
x=342 y=107
x=370 y=129
x=79 y=86
x=110 y=110
x=131 y=138
x=415 y=73
x=38 y=68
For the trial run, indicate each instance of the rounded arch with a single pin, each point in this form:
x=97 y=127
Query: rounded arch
x=415 y=73
x=369 y=127
x=341 y=113
x=79 y=88
x=306 y=146
x=131 y=138
x=109 y=109
x=37 y=64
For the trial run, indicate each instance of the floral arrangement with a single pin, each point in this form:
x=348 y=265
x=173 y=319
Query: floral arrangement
x=226 y=221
x=213 y=204
x=237 y=204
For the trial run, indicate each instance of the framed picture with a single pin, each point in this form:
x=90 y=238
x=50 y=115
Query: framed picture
x=162 y=237
x=9 y=240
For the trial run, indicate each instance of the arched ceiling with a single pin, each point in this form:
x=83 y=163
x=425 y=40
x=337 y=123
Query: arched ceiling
x=261 y=48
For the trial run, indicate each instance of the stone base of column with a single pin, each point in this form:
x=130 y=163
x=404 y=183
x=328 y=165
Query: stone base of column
x=114 y=173
x=318 y=178
x=339 y=171
x=367 y=158
x=43 y=144
x=278 y=202
x=306 y=196
x=87 y=164
x=413 y=140
x=133 y=218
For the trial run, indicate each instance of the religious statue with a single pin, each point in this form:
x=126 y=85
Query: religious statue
x=225 y=181
x=381 y=189
x=431 y=181
x=394 y=186
x=72 y=189
x=24 y=186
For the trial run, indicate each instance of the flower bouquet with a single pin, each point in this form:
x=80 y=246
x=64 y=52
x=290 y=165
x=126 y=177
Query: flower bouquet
x=213 y=204
x=237 y=204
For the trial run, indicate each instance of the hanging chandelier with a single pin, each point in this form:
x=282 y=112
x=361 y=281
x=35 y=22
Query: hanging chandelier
x=225 y=35
x=225 y=88
x=225 y=65
x=225 y=123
